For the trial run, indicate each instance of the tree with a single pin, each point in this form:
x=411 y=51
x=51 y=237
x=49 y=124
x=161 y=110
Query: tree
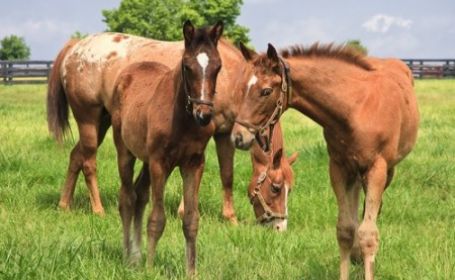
x=356 y=44
x=163 y=20
x=78 y=35
x=13 y=47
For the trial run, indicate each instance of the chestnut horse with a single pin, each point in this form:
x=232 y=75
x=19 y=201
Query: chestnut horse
x=369 y=115
x=83 y=76
x=163 y=117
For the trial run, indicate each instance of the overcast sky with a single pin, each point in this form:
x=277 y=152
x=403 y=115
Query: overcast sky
x=399 y=28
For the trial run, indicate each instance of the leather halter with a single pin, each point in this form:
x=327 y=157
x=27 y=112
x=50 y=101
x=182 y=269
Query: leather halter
x=190 y=100
x=269 y=214
x=264 y=132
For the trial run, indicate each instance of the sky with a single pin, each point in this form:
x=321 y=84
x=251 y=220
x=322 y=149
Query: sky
x=388 y=28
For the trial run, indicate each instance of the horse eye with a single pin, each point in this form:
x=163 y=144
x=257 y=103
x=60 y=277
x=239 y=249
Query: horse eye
x=276 y=188
x=266 y=91
x=186 y=68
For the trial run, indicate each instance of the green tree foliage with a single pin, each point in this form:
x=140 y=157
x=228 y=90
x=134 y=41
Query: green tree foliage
x=163 y=19
x=356 y=44
x=13 y=47
x=78 y=35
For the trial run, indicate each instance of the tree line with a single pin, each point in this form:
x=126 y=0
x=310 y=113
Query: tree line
x=161 y=20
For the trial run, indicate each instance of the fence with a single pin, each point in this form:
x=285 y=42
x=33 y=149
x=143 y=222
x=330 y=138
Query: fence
x=24 y=71
x=37 y=71
x=431 y=68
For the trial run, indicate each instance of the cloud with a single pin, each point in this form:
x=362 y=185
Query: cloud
x=382 y=23
x=36 y=29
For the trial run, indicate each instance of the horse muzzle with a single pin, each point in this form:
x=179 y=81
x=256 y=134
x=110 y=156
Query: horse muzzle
x=203 y=114
x=279 y=225
x=241 y=137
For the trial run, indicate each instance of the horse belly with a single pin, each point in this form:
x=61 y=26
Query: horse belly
x=134 y=132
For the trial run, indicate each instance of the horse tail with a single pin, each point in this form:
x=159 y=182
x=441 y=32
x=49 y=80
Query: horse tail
x=57 y=104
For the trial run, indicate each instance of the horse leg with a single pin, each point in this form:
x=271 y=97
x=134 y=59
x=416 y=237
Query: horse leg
x=368 y=233
x=127 y=196
x=390 y=174
x=191 y=173
x=347 y=193
x=142 y=188
x=225 y=151
x=157 y=219
x=92 y=129
x=74 y=168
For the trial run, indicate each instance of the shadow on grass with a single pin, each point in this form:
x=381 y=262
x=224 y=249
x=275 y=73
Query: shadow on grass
x=81 y=202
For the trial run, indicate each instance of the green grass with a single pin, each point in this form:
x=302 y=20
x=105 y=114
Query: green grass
x=37 y=241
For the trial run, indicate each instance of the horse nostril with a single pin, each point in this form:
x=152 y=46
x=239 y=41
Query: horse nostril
x=238 y=139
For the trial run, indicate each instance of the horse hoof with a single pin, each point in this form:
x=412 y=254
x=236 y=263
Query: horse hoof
x=63 y=206
x=99 y=212
x=234 y=221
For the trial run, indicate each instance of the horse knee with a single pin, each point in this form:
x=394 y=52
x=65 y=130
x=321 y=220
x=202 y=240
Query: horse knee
x=346 y=235
x=155 y=225
x=127 y=199
x=76 y=160
x=368 y=235
x=89 y=168
x=190 y=225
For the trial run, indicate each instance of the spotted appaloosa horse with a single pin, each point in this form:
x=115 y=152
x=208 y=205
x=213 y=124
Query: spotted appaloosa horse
x=369 y=115
x=83 y=77
x=163 y=117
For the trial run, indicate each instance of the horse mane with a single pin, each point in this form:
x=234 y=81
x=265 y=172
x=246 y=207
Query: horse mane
x=341 y=52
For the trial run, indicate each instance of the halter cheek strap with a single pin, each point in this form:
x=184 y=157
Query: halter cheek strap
x=190 y=100
x=269 y=214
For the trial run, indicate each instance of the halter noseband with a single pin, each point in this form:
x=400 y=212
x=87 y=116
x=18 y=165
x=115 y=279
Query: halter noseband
x=190 y=100
x=261 y=131
x=269 y=214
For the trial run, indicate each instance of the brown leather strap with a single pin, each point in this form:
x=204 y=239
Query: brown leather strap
x=256 y=194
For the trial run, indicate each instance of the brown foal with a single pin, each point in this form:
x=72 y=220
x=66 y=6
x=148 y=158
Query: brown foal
x=83 y=77
x=368 y=111
x=163 y=117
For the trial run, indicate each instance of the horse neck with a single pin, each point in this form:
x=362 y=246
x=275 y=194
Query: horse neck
x=265 y=159
x=325 y=90
x=181 y=99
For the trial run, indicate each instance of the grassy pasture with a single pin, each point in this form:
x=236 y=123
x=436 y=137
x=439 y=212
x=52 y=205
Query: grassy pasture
x=38 y=241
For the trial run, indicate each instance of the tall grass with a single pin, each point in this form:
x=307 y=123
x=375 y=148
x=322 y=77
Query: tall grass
x=38 y=241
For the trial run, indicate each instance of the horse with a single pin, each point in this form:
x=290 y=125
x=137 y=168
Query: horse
x=369 y=115
x=272 y=182
x=163 y=117
x=83 y=77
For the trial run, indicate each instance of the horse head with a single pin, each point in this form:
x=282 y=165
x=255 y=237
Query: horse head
x=264 y=90
x=201 y=64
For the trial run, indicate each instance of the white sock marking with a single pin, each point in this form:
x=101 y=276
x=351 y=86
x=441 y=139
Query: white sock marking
x=203 y=60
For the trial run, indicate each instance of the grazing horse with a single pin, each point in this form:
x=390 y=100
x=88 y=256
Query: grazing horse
x=163 y=117
x=272 y=182
x=369 y=115
x=83 y=77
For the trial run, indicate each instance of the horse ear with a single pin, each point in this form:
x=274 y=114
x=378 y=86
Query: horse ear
x=188 y=32
x=247 y=53
x=277 y=159
x=293 y=158
x=272 y=54
x=216 y=31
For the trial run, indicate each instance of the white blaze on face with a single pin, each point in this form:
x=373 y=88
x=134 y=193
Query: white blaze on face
x=203 y=60
x=282 y=224
x=253 y=80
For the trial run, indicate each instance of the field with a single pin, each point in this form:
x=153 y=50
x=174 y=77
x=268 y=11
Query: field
x=38 y=241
